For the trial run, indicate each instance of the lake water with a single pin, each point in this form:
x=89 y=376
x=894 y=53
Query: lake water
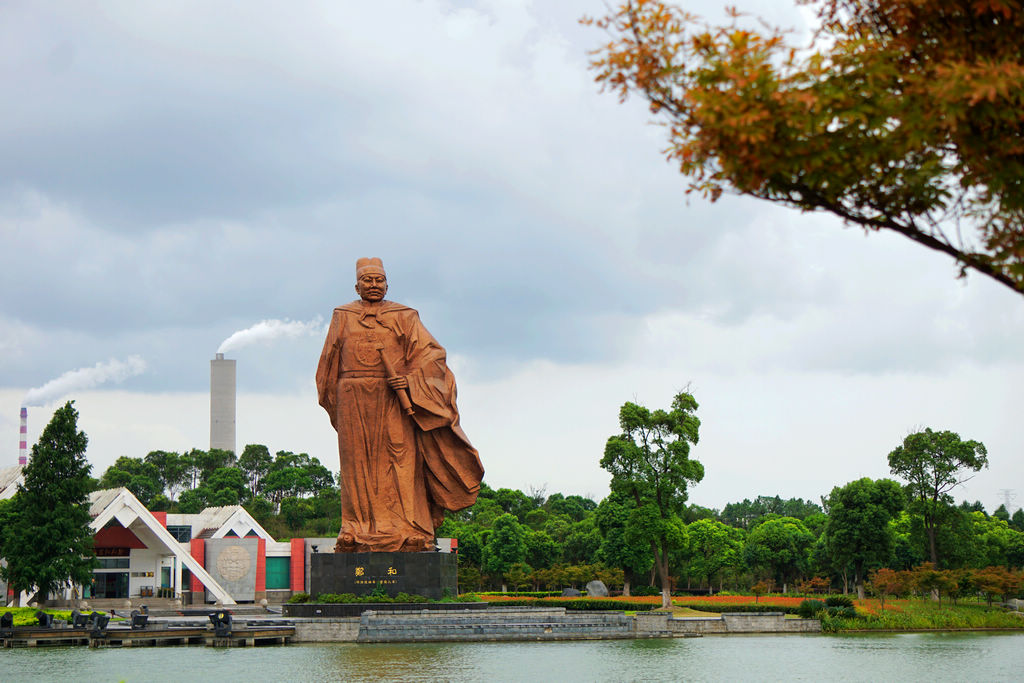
x=876 y=657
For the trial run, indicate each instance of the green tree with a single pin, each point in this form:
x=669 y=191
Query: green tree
x=172 y=471
x=47 y=541
x=582 y=543
x=713 y=547
x=536 y=519
x=994 y=541
x=518 y=575
x=295 y=512
x=136 y=475
x=515 y=502
x=541 y=550
x=255 y=463
x=618 y=547
x=193 y=501
x=747 y=514
x=192 y=461
x=933 y=463
x=650 y=462
x=484 y=511
x=505 y=547
x=1017 y=520
x=902 y=118
x=574 y=507
x=906 y=554
x=295 y=474
x=1002 y=513
x=260 y=508
x=857 y=532
x=226 y=486
x=780 y=546
x=208 y=462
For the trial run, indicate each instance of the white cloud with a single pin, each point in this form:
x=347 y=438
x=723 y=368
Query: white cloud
x=174 y=172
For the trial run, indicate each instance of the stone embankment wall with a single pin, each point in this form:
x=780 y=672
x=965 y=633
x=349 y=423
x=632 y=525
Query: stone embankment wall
x=743 y=622
x=327 y=630
x=543 y=624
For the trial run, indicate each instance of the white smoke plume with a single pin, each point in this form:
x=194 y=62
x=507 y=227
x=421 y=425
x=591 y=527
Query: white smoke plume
x=85 y=378
x=265 y=330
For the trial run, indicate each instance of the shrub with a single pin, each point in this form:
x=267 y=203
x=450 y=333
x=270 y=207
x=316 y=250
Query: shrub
x=839 y=601
x=644 y=591
x=377 y=596
x=809 y=608
x=298 y=598
x=337 y=597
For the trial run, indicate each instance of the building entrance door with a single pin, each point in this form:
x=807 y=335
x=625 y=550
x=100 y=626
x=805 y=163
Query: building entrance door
x=110 y=585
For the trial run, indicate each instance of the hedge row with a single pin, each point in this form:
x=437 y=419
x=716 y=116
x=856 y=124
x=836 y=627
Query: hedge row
x=705 y=607
x=581 y=604
x=524 y=594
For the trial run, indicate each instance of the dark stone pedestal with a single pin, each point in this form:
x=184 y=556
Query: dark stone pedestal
x=426 y=574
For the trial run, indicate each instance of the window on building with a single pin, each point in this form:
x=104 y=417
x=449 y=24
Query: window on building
x=181 y=534
x=114 y=563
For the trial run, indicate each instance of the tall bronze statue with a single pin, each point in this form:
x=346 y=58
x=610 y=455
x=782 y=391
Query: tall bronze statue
x=384 y=382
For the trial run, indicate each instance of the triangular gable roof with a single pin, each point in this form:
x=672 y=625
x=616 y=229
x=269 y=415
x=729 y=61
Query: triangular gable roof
x=122 y=505
x=10 y=477
x=218 y=522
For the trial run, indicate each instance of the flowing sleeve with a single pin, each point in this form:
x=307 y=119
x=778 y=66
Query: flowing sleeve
x=431 y=383
x=452 y=466
x=327 y=370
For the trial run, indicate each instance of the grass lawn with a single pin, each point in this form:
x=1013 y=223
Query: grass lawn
x=904 y=614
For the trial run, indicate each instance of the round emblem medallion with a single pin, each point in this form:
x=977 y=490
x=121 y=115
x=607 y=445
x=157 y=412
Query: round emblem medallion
x=368 y=350
x=233 y=563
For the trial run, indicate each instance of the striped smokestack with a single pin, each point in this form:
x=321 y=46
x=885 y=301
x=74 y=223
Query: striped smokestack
x=23 y=443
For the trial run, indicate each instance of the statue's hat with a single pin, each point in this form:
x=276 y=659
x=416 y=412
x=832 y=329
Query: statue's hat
x=369 y=265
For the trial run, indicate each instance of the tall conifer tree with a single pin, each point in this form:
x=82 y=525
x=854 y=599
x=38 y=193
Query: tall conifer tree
x=46 y=538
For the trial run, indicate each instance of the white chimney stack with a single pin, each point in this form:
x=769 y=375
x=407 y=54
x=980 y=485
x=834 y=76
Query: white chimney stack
x=222 y=403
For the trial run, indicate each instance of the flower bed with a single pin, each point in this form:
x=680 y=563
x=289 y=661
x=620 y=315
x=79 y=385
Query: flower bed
x=583 y=603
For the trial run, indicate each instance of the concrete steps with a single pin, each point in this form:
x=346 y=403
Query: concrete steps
x=378 y=627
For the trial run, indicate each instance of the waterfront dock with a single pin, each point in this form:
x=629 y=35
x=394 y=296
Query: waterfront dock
x=157 y=634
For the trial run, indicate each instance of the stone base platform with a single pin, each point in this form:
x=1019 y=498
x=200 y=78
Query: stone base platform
x=432 y=575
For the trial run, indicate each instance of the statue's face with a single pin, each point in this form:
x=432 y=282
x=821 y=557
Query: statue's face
x=371 y=286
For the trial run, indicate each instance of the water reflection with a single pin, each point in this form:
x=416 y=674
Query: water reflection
x=876 y=657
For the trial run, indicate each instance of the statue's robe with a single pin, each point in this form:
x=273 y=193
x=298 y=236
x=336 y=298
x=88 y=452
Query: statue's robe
x=398 y=472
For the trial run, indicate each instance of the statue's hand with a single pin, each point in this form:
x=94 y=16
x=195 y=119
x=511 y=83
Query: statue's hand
x=398 y=382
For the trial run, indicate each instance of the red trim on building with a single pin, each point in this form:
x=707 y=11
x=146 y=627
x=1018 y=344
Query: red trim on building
x=198 y=552
x=297 y=572
x=116 y=537
x=261 y=565
x=161 y=517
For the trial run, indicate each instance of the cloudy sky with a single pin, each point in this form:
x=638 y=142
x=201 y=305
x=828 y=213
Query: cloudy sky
x=172 y=173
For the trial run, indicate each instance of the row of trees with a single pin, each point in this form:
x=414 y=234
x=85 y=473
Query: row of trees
x=513 y=540
x=646 y=529
x=992 y=582
x=191 y=481
x=643 y=533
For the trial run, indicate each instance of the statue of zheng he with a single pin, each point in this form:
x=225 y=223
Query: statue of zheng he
x=384 y=383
